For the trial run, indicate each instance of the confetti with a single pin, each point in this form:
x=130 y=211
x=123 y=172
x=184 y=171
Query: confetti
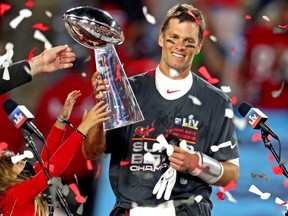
x=173 y=73
x=277 y=93
x=195 y=100
x=255 y=190
x=89 y=165
x=151 y=19
x=87 y=59
x=79 y=198
x=234 y=100
x=39 y=36
x=266 y=18
x=262 y=176
x=240 y=123
x=40 y=26
x=4 y=8
x=213 y=38
x=283 y=26
x=29 y=3
x=31 y=53
x=277 y=170
x=124 y=163
x=229 y=113
x=226 y=89
x=215 y=148
x=48 y=13
x=3 y=145
x=202 y=70
x=280 y=202
x=256 y=137
x=24 y=13
x=169 y=148
x=248 y=17
x=195 y=18
x=26 y=154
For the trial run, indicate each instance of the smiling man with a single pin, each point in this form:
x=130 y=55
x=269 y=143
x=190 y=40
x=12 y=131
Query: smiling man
x=187 y=171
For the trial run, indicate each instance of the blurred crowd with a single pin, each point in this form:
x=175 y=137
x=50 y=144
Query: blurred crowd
x=245 y=48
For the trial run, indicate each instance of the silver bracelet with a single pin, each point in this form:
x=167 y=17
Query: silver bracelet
x=209 y=169
x=64 y=121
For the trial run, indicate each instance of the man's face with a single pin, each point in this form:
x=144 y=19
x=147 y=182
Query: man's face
x=179 y=44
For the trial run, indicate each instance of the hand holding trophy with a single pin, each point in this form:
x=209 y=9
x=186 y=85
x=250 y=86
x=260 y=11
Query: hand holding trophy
x=96 y=29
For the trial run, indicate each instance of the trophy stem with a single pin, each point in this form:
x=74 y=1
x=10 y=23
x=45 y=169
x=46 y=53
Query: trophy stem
x=122 y=102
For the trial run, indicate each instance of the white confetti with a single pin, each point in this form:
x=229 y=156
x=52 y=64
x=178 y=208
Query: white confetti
x=151 y=19
x=240 y=123
x=226 y=89
x=173 y=73
x=48 y=13
x=24 y=13
x=215 y=148
x=229 y=113
x=198 y=198
x=26 y=154
x=213 y=38
x=195 y=100
x=281 y=202
x=266 y=18
x=255 y=190
x=39 y=36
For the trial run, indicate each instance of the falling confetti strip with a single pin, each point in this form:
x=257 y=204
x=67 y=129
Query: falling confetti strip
x=202 y=70
x=173 y=73
x=40 y=26
x=26 y=154
x=4 y=8
x=234 y=100
x=226 y=89
x=124 y=163
x=79 y=198
x=39 y=36
x=29 y=3
x=195 y=18
x=229 y=113
x=277 y=93
x=24 y=13
x=215 y=148
x=31 y=53
x=248 y=17
x=3 y=145
x=266 y=18
x=48 y=13
x=260 y=176
x=195 y=100
x=213 y=38
x=255 y=190
x=256 y=137
x=277 y=170
x=151 y=19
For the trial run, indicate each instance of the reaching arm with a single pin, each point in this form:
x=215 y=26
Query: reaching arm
x=95 y=144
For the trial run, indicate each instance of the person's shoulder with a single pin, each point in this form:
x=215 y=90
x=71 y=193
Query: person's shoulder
x=208 y=89
x=143 y=76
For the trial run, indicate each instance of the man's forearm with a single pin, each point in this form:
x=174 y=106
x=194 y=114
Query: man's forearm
x=95 y=143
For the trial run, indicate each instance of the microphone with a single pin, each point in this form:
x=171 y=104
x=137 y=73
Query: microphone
x=21 y=117
x=255 y=118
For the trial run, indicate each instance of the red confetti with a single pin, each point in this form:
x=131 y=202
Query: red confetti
x=277 y=170
x=271 y=158
x=98 y=171
x=195 y=18
x=40 y=26
x=233 y=50
x=285 y=183
x=118 y=72
x=206 y=33
x=234 y=100
x=29 y=3
x=283 y=26
x=248 y=17
x=31 y=53
x=4 y=8
x=220 y=195
x=230 y=186
x=89 y=165
x=124 y=163
x=3 y=145
x=256 y=137
x=207 y=76
x=79 y=198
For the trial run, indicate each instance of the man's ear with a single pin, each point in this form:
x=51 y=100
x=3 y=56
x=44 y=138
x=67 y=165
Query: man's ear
x=160 y=39
x=198 y=48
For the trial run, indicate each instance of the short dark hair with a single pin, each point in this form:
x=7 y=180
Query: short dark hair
x=185 y=13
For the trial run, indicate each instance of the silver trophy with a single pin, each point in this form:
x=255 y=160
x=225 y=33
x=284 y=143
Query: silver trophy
x=96 y=29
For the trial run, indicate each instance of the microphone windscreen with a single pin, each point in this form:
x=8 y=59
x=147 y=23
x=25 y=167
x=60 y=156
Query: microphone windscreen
x=244 y=108
x=9 y=105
